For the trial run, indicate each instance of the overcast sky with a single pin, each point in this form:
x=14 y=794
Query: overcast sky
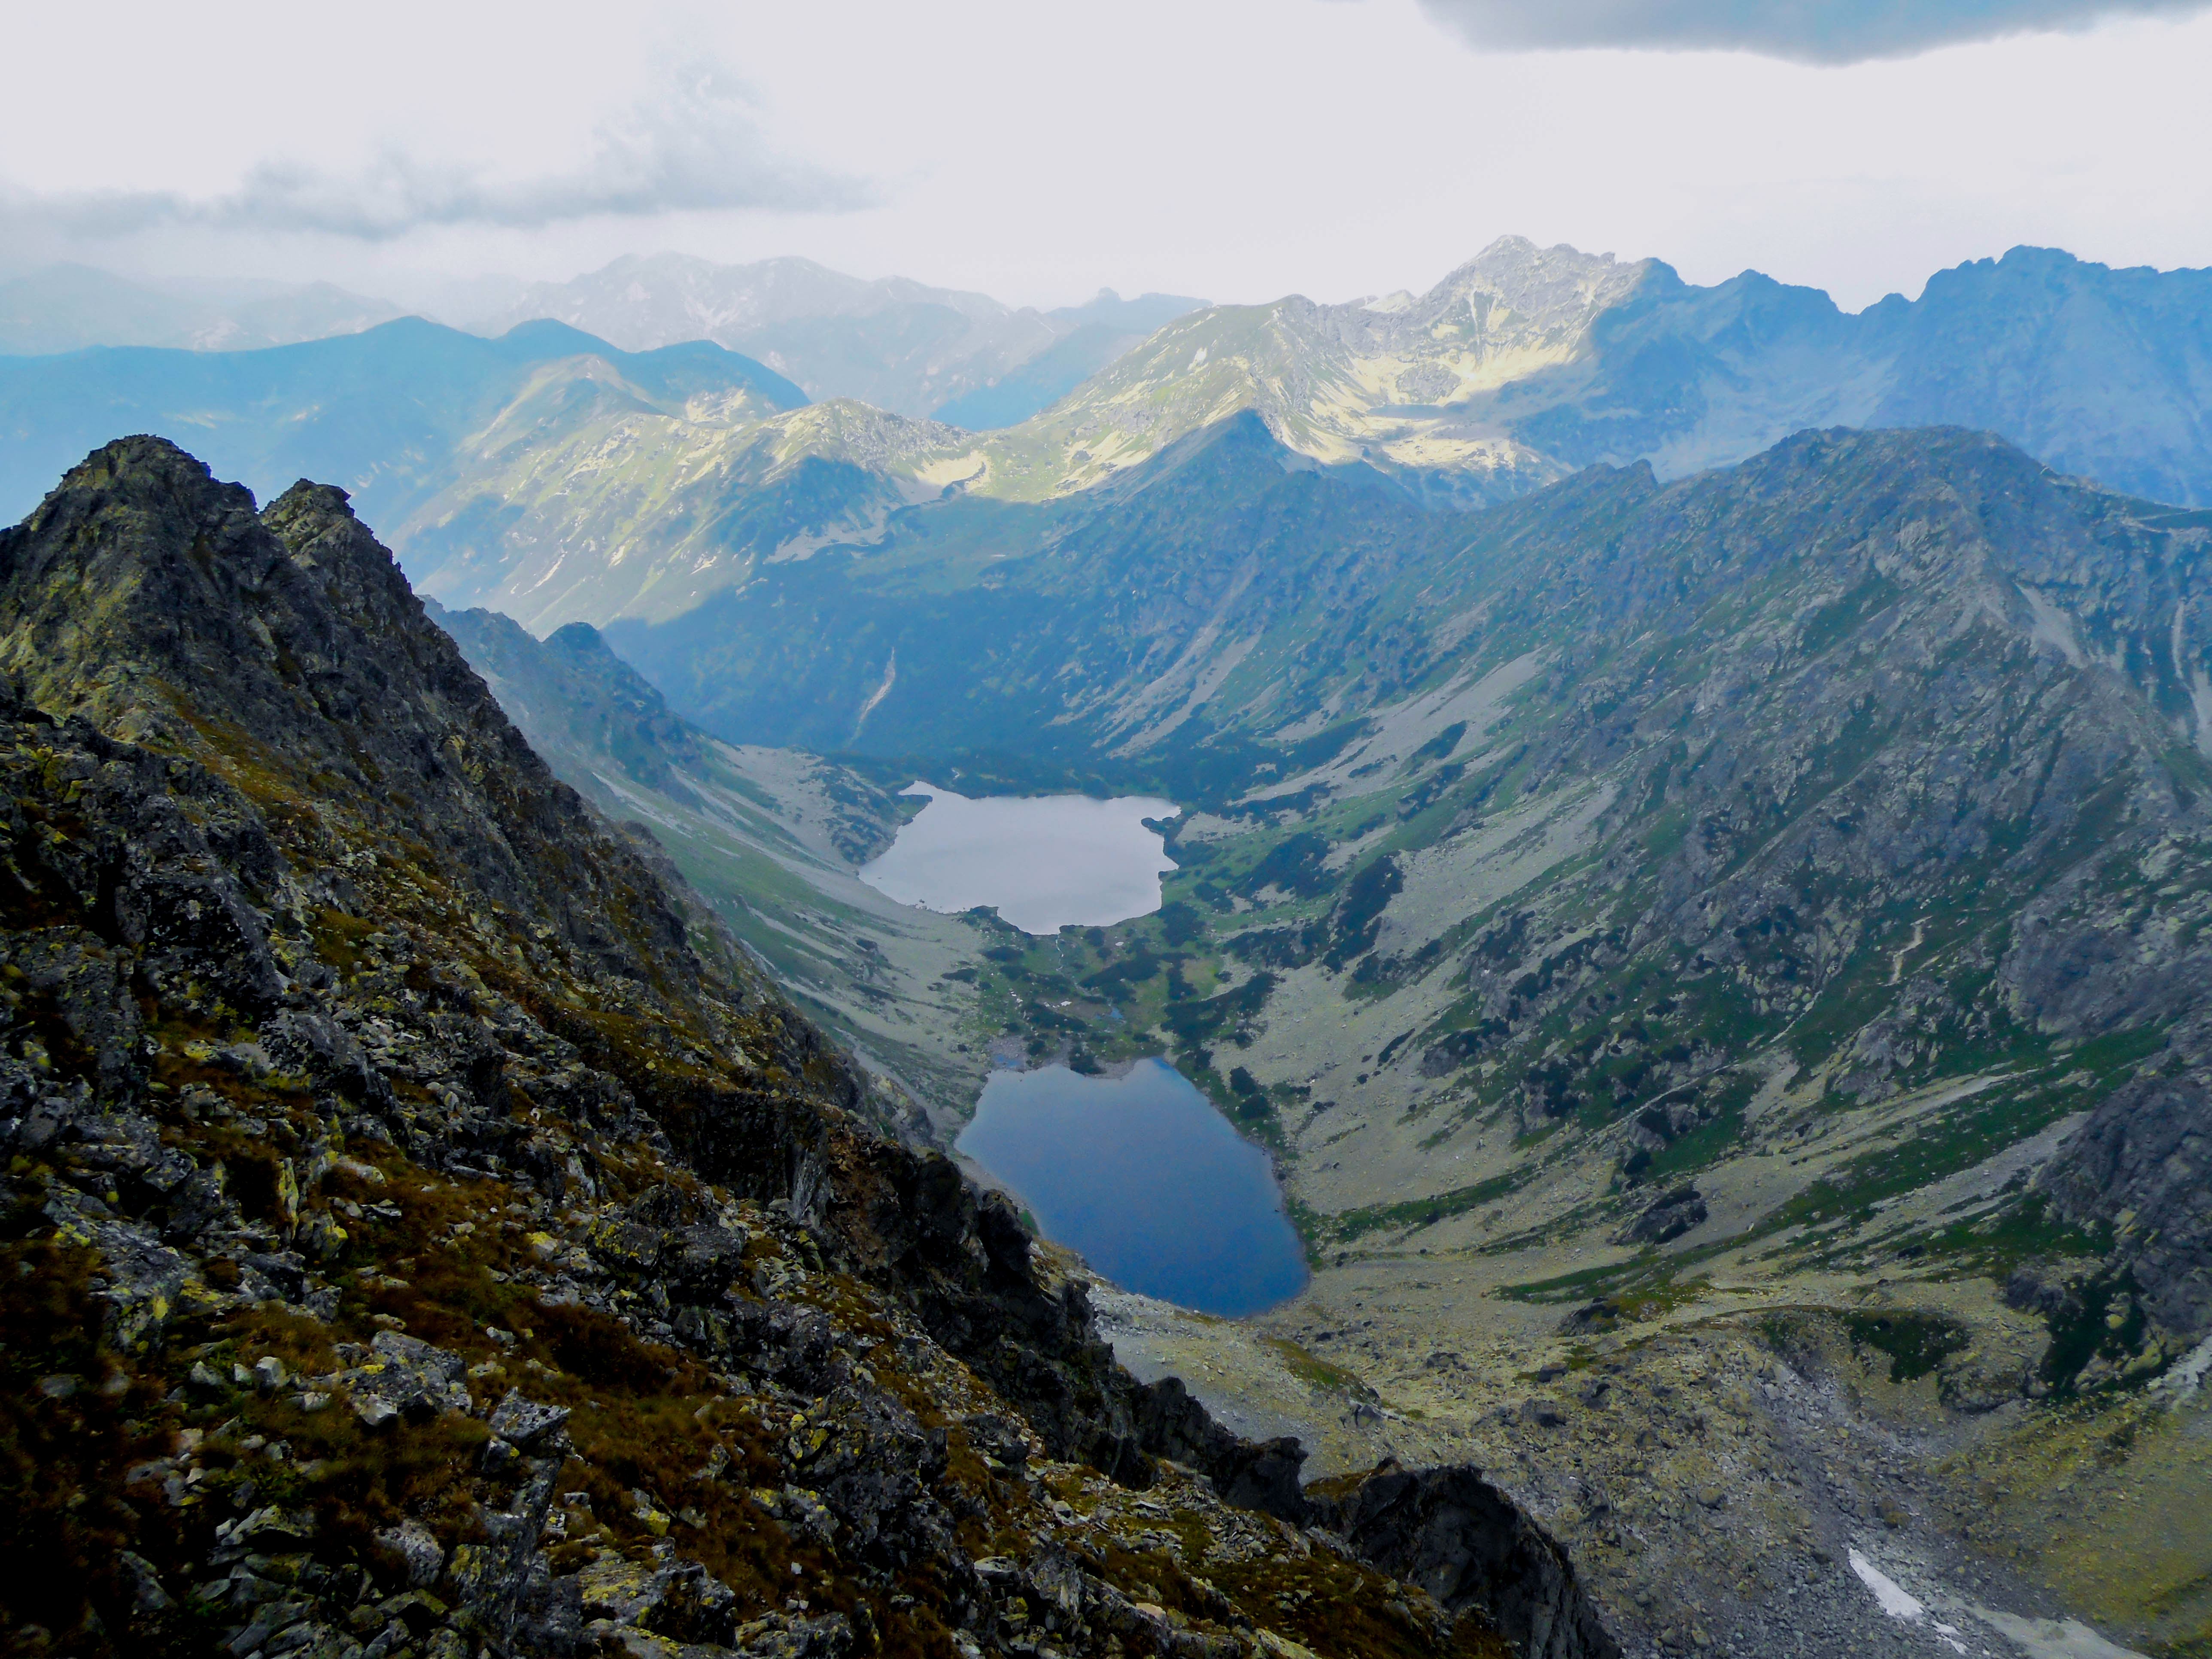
x=1236 y=149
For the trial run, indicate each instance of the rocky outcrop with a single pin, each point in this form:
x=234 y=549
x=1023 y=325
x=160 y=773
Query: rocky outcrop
x=1670 y=1215
x=2143 y=1164
x=1465 y=1543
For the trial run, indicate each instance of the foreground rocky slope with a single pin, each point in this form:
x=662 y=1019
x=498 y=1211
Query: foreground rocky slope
x=426 y=1235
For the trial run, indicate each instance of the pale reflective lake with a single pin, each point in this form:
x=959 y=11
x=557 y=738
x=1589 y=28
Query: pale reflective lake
x=1046 y=861
x=1143 y=1177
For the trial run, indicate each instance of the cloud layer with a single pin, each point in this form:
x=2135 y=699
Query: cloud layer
x=693 y=144
x=1806 y=31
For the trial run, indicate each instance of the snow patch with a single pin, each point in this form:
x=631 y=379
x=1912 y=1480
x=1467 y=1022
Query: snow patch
x=2053 y=1638
x=2188 y=1376
x=1896 y=1601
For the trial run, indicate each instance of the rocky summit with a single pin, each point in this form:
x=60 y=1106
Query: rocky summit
x=427 y=1235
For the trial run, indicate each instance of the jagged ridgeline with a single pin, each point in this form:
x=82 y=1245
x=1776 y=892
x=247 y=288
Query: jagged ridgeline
x=424 y=1234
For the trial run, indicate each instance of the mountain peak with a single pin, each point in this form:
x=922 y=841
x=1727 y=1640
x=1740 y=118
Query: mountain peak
x=285 y=653
x=1560 y=281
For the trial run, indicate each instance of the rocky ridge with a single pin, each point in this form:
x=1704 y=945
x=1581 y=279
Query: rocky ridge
x=427 y=1235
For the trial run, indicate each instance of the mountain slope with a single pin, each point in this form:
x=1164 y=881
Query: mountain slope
x=1110 y=618
x=425 y=1237
x=1037 y=382
x=1339 y=383
x=771 y=838
x=1103 y=328
x=615 y=509
x=384 y=410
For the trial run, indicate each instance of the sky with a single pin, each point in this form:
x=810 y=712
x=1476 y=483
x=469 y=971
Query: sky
x=1231 y=149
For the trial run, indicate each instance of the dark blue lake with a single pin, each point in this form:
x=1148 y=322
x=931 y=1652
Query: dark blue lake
x=1142 y=1175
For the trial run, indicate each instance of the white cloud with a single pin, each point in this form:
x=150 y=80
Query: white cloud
x=693 y=144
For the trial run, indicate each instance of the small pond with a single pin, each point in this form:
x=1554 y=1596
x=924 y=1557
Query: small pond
x=1046 y=861
x=1142 y=1175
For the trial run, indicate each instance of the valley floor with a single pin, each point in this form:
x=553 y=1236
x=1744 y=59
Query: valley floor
x=1718 y=1471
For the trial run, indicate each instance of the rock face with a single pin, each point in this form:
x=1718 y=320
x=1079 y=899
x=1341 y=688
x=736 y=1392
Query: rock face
x=1669 y=1216
x=425 y=1235
x=1461 y=1539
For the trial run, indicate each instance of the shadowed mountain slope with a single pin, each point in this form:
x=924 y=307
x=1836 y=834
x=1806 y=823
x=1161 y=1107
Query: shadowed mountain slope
x=1126 y=615
x=771 y=838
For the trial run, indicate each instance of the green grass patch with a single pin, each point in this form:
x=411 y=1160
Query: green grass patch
x=1914 y=1343
x=1314 y=1371
x=1642 y=1287
x=1349 y=1225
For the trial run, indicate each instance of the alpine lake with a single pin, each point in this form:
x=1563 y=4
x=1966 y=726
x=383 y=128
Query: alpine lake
x=1136 y=1170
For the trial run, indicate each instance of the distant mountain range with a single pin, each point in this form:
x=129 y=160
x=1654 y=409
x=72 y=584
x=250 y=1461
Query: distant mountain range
x=603 y=489
x=388 y=413
x=67 y=307
x=1518 y=369
x=1527 y=363
x=900 y=345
